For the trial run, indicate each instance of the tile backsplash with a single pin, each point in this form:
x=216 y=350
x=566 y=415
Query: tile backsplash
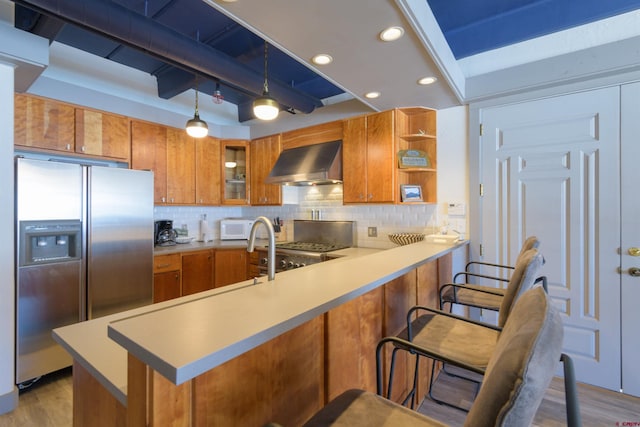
x=327 y=199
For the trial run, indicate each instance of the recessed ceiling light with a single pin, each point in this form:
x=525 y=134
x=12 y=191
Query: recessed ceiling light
x=322 y=59
x=391 y=34
x=372 y=95
x=427 y=80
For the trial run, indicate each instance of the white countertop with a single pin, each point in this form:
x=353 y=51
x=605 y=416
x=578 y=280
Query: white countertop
x=195 y=245
x=185 y=337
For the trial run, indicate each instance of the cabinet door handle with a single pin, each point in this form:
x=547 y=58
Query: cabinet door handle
x=68 y=146
x=163 y=265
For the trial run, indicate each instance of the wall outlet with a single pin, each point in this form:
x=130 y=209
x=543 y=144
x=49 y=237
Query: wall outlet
x=372 y=232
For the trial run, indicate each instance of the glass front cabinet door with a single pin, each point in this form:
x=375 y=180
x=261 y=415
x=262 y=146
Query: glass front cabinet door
x=235 y=172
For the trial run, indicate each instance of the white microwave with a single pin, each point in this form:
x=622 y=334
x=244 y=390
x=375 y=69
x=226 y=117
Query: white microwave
x=235 y=228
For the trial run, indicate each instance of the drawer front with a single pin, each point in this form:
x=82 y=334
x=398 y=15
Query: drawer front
x=162 y=263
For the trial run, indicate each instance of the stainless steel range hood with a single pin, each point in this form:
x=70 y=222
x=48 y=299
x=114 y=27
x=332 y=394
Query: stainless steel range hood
x=309 y=165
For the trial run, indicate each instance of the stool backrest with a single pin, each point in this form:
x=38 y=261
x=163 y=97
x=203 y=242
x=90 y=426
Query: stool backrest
x=523 y=278
x=530 y=242
x=522 y=364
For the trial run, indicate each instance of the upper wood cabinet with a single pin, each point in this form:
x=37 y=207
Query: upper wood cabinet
x=181 y=167
x=416 y=130
x=371 y=171
x=235 y=174
x=44 y=123
x=264 y=154
x=316 y=134
x=149 y=152
x=102 y=134
x=368 y=159
x=52 y=125
x=208 y=171
x=187 y=171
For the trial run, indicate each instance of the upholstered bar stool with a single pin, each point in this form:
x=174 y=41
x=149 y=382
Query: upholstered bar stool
x=461 y=341
x=518 y=374
x=482 y=296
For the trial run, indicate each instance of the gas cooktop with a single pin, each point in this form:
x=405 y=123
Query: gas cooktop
x=310 y=246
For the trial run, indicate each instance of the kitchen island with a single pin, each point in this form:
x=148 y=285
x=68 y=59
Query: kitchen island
x=251 y=353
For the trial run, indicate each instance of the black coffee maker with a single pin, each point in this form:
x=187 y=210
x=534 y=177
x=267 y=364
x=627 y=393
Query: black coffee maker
x=165 y=235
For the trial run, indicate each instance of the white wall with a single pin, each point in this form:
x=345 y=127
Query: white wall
x=8 y=392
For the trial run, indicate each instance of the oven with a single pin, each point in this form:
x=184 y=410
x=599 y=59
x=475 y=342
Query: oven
x=315 y=240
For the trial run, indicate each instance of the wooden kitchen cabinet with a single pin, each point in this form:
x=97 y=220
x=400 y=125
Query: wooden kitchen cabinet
x=102 y=134
x=208 y=171
x=149 y=152
x=235 y=171
x=166 y=286
x=43 y=123
x=316 y=134
x=230 y=266
x=370 y=146
x=368 y=159
x=264 y=154
x=167 y=282
x=197 y=271
x=52 y=125
x=181 y=167
x=416 y=130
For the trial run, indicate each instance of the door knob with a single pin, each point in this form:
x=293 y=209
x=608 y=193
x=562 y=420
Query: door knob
x=634 y=251
x=634 y=271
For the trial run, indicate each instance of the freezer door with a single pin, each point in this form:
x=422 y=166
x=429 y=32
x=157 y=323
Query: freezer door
x=48 y=190
x=120 y=240
x=48 y=297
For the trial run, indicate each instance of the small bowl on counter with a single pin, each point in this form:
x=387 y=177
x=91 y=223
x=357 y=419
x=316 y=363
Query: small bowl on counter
x=406 y=238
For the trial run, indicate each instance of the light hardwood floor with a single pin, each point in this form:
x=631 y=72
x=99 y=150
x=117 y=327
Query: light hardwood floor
x=48 y=403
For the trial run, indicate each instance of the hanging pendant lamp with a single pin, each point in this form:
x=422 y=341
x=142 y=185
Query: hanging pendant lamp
x=196 y=127
x=265 y=107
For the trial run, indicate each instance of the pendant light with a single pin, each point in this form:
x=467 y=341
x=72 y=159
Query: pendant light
x=265 y=107
x=196 y=127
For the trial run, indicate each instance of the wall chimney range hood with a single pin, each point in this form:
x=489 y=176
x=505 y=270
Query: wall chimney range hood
x=309 y=165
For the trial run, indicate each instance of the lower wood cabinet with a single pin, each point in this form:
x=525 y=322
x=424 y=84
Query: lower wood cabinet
x=185 y=273
x=167 y=282
x=166 y=286
x=197 y=271
x=230 y=266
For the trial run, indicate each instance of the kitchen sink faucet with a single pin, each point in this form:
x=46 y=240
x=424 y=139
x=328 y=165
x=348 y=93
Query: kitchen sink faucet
x=271 y=249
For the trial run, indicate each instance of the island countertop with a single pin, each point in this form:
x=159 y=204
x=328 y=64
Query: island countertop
x=183 y=341
x=184 y=337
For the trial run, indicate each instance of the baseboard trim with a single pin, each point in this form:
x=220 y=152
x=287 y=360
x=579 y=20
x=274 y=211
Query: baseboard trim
x=9 y=401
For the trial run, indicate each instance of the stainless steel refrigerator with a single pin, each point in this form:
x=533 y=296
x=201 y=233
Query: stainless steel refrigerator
x=84 y=249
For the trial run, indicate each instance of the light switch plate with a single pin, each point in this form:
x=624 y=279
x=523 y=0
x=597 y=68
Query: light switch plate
x=457 y=209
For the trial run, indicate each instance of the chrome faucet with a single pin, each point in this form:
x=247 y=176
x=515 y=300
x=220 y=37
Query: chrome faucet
x=271 y=249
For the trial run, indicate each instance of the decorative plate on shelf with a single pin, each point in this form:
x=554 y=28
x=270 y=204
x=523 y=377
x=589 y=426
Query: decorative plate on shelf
x=413 y=159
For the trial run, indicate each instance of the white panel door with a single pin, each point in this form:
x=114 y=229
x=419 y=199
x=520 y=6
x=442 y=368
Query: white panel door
x=550 y=168
x=630 y=241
